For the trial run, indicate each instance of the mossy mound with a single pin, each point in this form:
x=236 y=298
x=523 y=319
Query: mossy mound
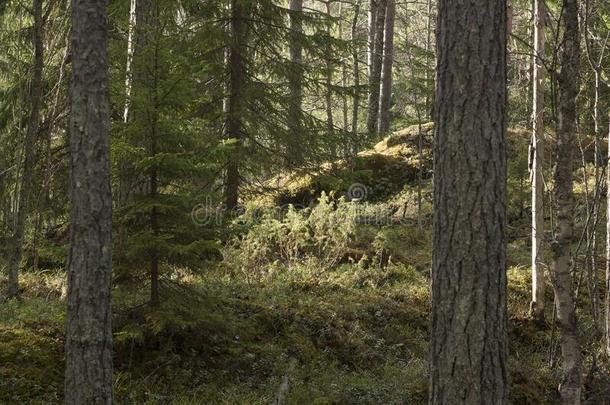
x=380 y=172
x=393 y=164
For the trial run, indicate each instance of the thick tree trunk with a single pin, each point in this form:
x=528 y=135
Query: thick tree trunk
x=536 y=169
x=560 y=276
x=295 y=106
x=375 y=70
x=386 y=73
x=25 y=190
x=235 y=103
x=469 y=320
x=88 y=329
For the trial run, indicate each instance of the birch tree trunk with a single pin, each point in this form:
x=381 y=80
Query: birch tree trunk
x=25 y=191
x=130 y=52
x=386 y=74
x=88 y=322
x=468 y=350
x=570 y=387
x=536 y=167
x=372 y=24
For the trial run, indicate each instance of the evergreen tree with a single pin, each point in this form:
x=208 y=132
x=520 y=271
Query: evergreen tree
x=88 y=320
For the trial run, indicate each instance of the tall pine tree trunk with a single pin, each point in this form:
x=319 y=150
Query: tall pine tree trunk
x=469 y=320
x=25 y=190
x=386 y=73
x=564 y=229
x=88 y=321
x=235 y=103
x=536 y=157
x=375 y=69
x=295 y=106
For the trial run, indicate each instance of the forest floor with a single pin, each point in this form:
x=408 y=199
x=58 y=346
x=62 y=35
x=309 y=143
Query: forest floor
x=351 y=333
x=347 y=336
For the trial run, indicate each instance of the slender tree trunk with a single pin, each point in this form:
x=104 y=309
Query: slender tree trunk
x=536 y=165
x=153 y=27
x=372 y=29
x=560 y=276
x=25 y=191
x=468 y=349
x=593 y=281
x=88 y=322
x=428 y=49
x=124 y=187
x=596 y=205
x=375 y=70
x=155 y=229
x=386 y=73
x=44 y=200
x=295 y=106
x=356 y=66
x=130 y=53
x=235 y=106
x=607 y=312
x=328 y=96
x=345 y=106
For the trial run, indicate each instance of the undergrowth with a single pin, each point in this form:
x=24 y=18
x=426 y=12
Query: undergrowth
x=333 y=298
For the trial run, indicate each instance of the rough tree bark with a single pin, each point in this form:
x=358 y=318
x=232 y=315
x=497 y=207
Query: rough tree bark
x=469 y=321
x=88 y=330
x=25 y=190
x=386 y=71
x=536 y=160
x=561 y=277
x=375 y=69
x=235 y=102
x=295 y=107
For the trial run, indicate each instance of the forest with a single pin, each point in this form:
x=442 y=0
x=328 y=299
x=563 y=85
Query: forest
x=304 y=202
